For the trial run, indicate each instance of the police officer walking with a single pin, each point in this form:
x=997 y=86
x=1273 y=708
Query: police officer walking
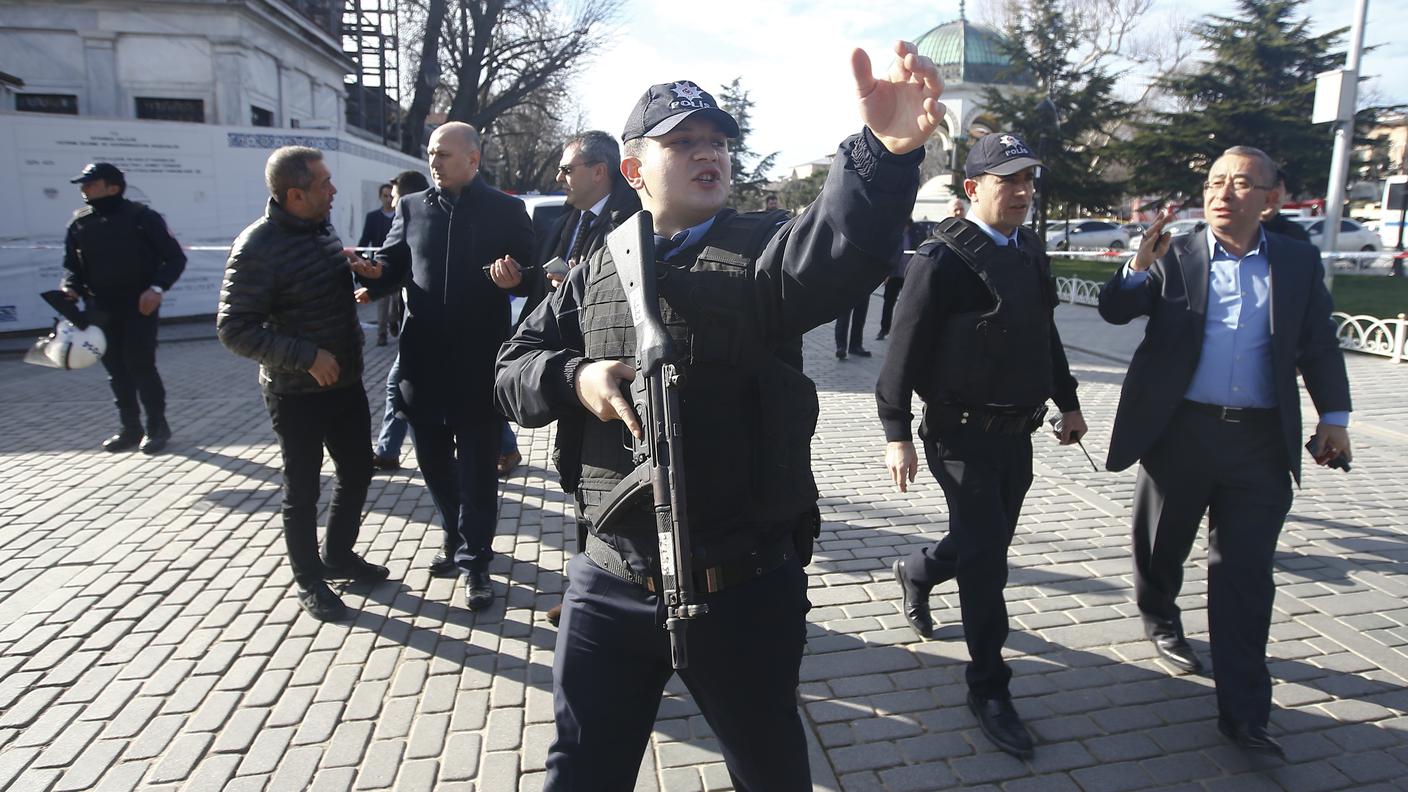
x=975 y=336
x=737 y=292
x=119 y=255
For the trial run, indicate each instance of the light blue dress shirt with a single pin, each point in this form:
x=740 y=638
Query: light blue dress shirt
x=1234 y=369
x=686 y=238
x=997 y=236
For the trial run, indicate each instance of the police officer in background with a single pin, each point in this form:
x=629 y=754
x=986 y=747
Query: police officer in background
x=120 y=258
x=737 y=292
x=975 y=336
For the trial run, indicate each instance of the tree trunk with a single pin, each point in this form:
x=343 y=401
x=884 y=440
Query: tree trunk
x=427 y=79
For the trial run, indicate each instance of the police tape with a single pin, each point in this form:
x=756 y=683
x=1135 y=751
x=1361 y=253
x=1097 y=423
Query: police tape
x=192 y=248
x=1120 y=252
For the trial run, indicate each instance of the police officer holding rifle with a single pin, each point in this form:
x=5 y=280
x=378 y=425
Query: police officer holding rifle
x=735 y=293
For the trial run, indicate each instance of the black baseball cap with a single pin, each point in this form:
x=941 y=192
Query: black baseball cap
x=664 y=106
x=1001 y=154
x=94 y=171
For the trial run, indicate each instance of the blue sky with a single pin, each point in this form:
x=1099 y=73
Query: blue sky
x=794 y=57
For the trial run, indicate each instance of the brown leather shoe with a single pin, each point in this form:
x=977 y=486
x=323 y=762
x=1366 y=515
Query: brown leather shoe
x=554 y=614
x=508 y=462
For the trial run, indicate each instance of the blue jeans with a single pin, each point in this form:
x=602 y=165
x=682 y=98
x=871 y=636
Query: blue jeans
x=393 y=428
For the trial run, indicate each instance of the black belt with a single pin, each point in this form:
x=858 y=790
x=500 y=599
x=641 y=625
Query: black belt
x=760 y=561
x=1230 y=414
x=1017 y=421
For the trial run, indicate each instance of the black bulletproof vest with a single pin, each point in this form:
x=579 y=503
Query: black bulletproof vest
x=748 y=417
x=113 y=250
x=999 y=355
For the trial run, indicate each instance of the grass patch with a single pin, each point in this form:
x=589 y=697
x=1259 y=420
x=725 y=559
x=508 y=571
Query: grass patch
x=1373 y=295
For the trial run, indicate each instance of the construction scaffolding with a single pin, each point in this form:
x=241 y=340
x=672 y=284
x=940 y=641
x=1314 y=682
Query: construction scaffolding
x=370 y=38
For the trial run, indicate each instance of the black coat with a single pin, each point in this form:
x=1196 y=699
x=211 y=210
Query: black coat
x=287 y=293
x=1175 y=298
x=456 y=318
x=374 y=229
x=621 y=203
x=115 y=249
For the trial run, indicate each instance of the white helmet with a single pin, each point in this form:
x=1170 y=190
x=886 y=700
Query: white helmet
x=69 y=347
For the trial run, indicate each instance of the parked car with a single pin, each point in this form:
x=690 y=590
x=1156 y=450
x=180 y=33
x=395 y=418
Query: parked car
x=1353 y=236
x=1177 y=228
x=544 y=209
x=1087 y=234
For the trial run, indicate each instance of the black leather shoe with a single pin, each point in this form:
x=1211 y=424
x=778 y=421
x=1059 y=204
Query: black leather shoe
x=123 y=440
x=478 y=590
x=320 y=602
x=840 y=354
x=157 y=436
x=1001 y=723
x=443 y=565
x=1177 y=652
x=356 y=569
x=859 y=352
x=1250 y=737
x=880 y=336
x=916 y=603
x=380 y=462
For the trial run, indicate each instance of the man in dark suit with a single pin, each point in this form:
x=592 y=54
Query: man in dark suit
x=453 y=248
x=1211 y=410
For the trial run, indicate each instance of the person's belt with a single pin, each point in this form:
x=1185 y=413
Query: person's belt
x=1017 y=421
x=760 y=561
x=1230 y=414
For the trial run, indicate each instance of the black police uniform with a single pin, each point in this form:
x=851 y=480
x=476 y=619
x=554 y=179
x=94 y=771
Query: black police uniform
x=737 y=301
x=115 y=250
x=978 y=342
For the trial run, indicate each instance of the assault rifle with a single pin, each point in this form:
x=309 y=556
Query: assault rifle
x=659 y=457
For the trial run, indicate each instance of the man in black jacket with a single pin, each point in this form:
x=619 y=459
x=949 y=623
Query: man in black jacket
x=454 y=249
x=975 y=336
x=119 y=255
x=737 y=292
x=287 y=303
x=375 y=227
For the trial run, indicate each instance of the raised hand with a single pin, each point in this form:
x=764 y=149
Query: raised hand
x=903 y=108
x=1155 y=243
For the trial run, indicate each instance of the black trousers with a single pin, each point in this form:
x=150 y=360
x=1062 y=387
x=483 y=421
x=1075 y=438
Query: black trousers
x=459 y=460
x=613 y=660
x=854 y=320
x=130 y=361
x=887 y=309
x=1236 y=473
x=985 y=478
x=304 y=424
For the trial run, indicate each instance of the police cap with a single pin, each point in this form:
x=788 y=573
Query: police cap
x=94 y=171
x=1001 y=154
x=664 y=106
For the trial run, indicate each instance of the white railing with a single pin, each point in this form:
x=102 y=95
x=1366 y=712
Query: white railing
x=1078 y=291
x=1372 y=335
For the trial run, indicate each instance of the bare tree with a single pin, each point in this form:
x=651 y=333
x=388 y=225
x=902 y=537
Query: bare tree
x=483 y=58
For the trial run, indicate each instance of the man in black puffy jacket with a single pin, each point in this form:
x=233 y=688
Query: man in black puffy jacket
x=287 y=303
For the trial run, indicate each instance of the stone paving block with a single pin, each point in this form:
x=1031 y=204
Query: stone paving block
x=266 y=751
x=180 y=759
x=461 y=758
x=348 y=744
x=499 y=772
x=378 y=769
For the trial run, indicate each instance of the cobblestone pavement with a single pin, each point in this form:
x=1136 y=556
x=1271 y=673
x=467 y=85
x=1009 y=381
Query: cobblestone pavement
x=149 y=638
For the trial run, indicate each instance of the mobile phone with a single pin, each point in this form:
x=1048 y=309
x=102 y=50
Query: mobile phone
x=1313 y=446
x=556 y=267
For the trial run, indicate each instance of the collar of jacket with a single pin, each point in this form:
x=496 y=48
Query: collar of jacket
x=437 y=197
x=108 y=204
x=281 y=216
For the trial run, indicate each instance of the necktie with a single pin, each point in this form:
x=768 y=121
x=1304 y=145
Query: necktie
x=580 y=243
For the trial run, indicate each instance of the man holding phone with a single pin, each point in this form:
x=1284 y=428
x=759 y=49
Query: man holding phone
x=1211 y=411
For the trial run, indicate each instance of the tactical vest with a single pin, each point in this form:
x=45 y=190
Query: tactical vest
x=116 y=257
x=1002 y=354
x=748 y=416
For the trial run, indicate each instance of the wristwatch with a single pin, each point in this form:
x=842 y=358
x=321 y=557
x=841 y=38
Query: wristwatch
x=157 y=289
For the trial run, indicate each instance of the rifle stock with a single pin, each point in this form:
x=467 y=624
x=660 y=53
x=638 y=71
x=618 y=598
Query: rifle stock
x=655 y=394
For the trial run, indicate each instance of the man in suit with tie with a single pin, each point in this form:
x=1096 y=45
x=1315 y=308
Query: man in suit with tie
x=1211 y=411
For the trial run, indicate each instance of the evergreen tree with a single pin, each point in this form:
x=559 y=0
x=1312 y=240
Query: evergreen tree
x=1257 y=88
x=749 y=170
x=1073 y=135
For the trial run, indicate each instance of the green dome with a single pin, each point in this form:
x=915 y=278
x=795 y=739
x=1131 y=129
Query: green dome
x=968 y=53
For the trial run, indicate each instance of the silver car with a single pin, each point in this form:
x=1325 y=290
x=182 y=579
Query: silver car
x=1087 y=234
x=1353 y=236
